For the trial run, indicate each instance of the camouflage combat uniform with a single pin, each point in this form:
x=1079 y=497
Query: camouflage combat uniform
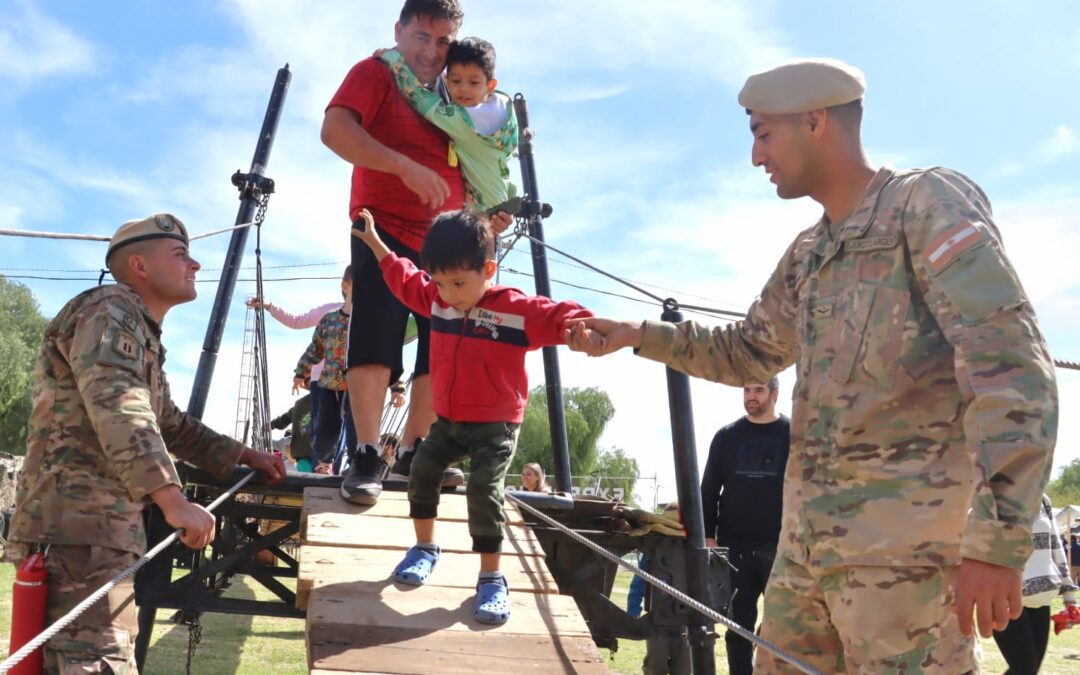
x=101 y=421
x=925 y=414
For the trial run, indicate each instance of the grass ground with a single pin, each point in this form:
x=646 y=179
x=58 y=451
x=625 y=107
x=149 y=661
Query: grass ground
x=257 y=645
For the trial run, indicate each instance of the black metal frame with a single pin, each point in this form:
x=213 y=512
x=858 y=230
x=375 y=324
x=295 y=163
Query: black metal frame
x=588 y=578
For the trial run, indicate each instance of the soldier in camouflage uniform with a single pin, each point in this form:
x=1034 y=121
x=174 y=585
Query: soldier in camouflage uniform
x=101 y=430
x=925 y=408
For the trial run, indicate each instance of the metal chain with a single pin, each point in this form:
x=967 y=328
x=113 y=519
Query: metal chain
x=674 y=592
x=261 y=434
x=260 y=214
x=194 y=638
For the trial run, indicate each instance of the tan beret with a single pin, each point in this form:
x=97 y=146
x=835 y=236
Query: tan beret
x=805 y=84
x=157 y=226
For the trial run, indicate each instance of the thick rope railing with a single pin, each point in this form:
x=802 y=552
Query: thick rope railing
x=6 y=232
x=674 y=592
x=64 y=621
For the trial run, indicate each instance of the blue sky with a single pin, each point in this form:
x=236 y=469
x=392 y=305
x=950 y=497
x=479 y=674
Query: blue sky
x=111 y=111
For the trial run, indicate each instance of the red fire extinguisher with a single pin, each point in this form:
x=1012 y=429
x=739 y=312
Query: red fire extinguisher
x=28 y=603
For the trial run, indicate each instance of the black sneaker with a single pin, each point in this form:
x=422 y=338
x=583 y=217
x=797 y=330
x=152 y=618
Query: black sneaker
x=361 y=483
x=402 y=465
x=451 y=477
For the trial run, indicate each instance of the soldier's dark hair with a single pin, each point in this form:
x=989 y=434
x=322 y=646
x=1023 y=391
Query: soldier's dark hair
x=475 y=51
x=849 y=114
x=436 y=9
x=774 y=384
x=347 y=274
x=458 y=240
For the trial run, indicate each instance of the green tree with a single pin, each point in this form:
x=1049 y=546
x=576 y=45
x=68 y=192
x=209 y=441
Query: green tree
x=21 y=327
x=587 y=412
x=620 y=466
x=1065 y=489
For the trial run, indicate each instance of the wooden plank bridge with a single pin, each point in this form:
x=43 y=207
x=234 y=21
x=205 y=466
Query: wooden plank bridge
x=360 y=620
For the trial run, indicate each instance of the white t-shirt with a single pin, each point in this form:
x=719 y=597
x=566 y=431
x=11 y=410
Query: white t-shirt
x=491 y=115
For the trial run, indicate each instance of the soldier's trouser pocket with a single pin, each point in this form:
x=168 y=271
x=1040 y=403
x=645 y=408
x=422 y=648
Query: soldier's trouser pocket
x=102 y=638
x=865 y=620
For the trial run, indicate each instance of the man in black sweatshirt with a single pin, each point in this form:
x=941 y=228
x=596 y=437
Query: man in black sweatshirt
x=741 y=499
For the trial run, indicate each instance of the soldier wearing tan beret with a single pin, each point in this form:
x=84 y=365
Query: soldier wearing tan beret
x=101 y=432
x=925 y=407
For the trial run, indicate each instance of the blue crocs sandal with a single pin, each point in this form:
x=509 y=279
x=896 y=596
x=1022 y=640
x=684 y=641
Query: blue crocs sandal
x=492 y=601
x=416 y=567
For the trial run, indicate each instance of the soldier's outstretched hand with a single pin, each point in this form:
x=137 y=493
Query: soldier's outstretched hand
x=992 y=592
x=270 y=463
x=597 y=336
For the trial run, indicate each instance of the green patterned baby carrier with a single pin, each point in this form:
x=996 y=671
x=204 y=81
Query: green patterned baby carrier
x=483 y=159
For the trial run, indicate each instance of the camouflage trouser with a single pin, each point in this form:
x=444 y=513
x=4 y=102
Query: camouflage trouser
x=102 y=639
x=865 y=620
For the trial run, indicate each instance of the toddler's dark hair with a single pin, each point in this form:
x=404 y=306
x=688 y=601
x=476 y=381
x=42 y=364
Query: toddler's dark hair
x=475 y=51
x=458 y=240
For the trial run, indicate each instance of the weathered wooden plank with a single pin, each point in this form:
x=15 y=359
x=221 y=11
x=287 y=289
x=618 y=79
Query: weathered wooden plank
x=359 y=620
x=459 y=653
x=323 y=565
x=385 y=607
x=328 y=501
x=378 y=627
x=397 y=534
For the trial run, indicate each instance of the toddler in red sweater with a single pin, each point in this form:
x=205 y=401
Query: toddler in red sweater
x=480 y=333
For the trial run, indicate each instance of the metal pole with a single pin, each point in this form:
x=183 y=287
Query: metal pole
x=249 y=203
x=687 y=482
x=534 y=212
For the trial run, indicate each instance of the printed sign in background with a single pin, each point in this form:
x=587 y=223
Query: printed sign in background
x=638 y=490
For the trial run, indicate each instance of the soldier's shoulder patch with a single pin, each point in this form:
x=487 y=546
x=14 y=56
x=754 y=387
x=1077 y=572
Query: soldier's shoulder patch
x=121 y=348
x=125 y=345
x=947 y=246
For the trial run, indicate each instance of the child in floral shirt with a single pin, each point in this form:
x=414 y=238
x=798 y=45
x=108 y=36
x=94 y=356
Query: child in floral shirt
x=328 y=345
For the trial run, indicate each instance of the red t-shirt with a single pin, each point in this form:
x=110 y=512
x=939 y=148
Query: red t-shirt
x=370 y=91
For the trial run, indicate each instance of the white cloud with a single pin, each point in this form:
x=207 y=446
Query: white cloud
x=33 y=46
x=1064 y=142
x=590 y=92
x=63 y=165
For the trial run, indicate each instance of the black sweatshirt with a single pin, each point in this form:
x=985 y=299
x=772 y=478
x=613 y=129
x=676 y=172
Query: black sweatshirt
x=743 y=483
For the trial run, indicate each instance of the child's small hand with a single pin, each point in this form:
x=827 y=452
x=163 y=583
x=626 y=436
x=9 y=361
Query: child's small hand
x=298 y=383
x=379 y=52
x=369 y=235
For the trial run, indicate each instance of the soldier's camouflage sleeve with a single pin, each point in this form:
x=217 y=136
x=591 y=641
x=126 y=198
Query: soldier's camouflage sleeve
x=751 y=350
x=192 y=441
x=1002 y=363
x=111 y=378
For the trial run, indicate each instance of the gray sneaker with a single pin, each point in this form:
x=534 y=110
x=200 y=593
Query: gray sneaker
x=451 y=477
x=361 y=483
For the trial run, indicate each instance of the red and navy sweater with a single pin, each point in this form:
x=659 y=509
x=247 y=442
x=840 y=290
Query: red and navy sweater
x=478 y=358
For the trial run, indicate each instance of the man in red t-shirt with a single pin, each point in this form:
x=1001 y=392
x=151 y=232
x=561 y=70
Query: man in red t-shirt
x=402 y=175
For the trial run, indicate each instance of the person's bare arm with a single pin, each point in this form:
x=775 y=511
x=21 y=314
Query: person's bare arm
x=343 y=133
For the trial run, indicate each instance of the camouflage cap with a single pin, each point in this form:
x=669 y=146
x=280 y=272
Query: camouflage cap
x=157 y=226
x=802 y=85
